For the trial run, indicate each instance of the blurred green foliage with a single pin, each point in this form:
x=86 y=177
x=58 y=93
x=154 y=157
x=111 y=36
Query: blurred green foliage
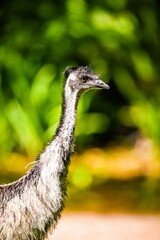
x=119 y=39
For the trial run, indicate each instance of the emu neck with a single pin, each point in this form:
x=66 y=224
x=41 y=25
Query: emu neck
x=68 y=117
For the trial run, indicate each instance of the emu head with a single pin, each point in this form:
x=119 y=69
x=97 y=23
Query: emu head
x=80 y=79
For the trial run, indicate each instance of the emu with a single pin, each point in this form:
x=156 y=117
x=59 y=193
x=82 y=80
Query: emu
x=31 y=206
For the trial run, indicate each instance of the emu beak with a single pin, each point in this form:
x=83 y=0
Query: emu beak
x=98 y=83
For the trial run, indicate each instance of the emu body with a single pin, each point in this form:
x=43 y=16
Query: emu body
x=31 y=206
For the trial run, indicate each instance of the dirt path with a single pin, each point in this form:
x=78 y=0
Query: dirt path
x=88 y=226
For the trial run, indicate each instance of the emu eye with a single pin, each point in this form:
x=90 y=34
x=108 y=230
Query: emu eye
x=84 y=79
